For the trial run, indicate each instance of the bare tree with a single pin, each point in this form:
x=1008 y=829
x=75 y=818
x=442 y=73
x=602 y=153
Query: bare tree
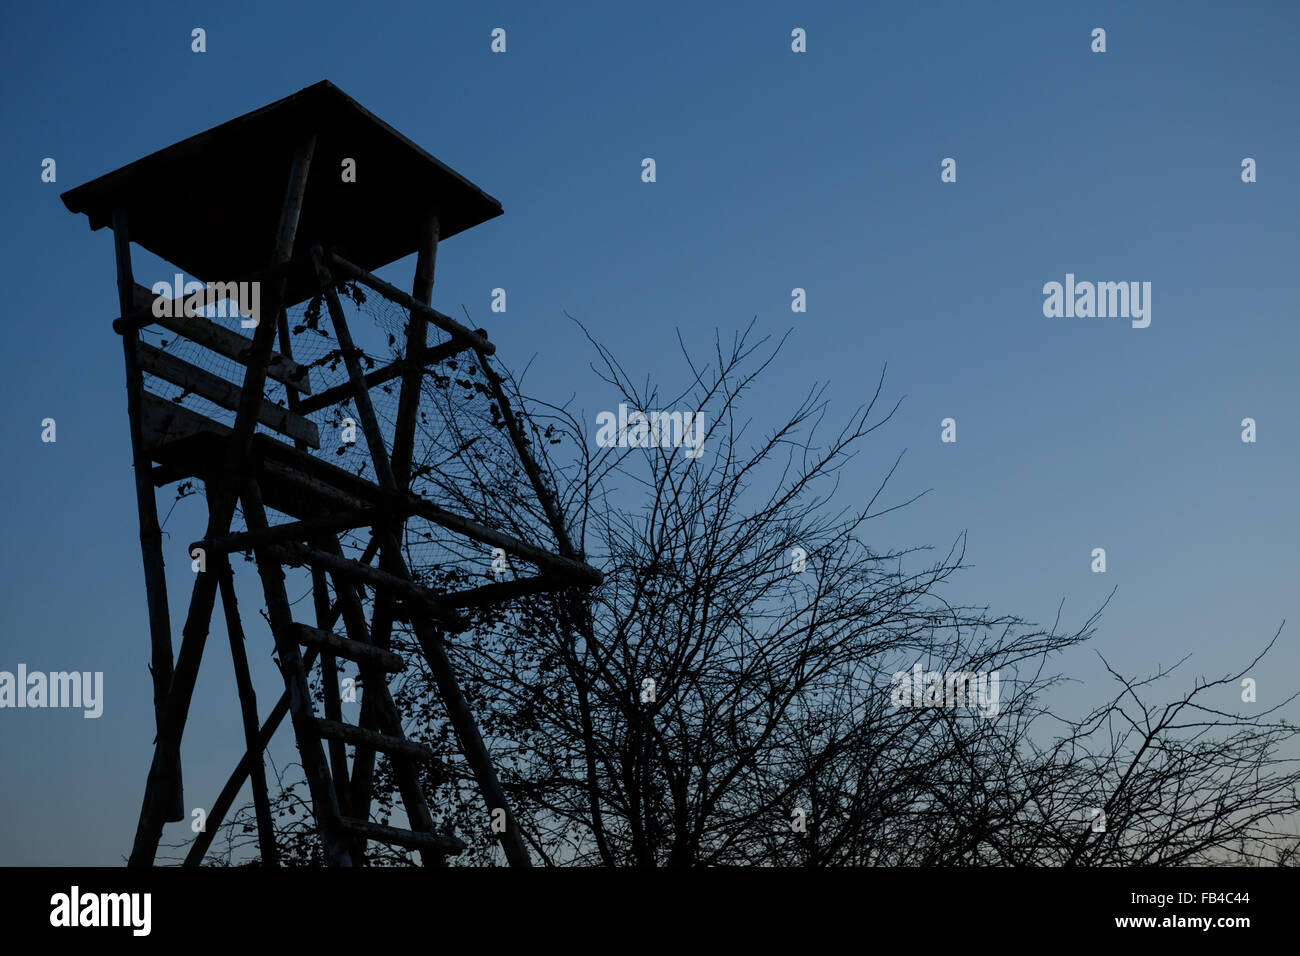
x=729 y=695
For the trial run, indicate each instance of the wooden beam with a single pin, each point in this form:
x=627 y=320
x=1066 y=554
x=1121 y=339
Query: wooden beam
x=350 y=491
x=574 y=571
x=175 y=471
x=235 y=782
x=502 y=591
x=165 y=776
x=417 y=335
x=342 y=393
x=385 y=743
x=248 y=713
x=163 y=422
x=520 y=441
x=144 y=300
x=297 y=555
x=323 y=490
x=412 y=840
x=194 y=637
x=466 y=728
x=415 y=357
x=226 y=394
x=476 y=338
x=365 y=408
x=298 y=531
x=324 y=640
x=224 y=341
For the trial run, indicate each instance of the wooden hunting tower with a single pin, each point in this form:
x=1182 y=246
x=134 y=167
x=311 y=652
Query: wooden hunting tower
x=265 y=198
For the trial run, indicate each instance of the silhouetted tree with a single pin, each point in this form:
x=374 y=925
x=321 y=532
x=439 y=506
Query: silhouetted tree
x=745 y=589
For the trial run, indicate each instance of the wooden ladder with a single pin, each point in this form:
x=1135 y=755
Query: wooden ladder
x=342 y=803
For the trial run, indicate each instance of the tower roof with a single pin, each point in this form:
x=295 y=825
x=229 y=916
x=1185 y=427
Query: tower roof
x=210 y=204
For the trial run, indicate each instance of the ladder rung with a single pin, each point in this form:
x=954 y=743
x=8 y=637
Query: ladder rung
x=294 y=554
x=347 y=648
x=407 y=838
x=385 y=743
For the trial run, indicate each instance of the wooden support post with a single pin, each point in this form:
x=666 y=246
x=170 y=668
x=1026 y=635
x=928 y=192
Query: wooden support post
x=417 y=334
x=286 y=349
x=361 y=395
x=167 y=776
x=248 y=711
x=264 y=336
x=471 y=742
x=328 y=663
x=518 y=439
x=167 y=746
x=253 y=755
x=221 y=506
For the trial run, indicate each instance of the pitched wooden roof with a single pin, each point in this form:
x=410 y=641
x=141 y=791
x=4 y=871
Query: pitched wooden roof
x=210 y=204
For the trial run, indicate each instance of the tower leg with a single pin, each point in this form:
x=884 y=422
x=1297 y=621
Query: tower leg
x=248 y=711
x=167 y=748
x=166 y=776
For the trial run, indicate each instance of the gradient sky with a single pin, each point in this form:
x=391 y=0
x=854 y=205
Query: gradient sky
x=775 y=170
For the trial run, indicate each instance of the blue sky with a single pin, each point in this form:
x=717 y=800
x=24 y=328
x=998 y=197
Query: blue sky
x=775 y=170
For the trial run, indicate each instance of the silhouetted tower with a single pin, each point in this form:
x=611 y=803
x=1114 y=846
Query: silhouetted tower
x=266 y=199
